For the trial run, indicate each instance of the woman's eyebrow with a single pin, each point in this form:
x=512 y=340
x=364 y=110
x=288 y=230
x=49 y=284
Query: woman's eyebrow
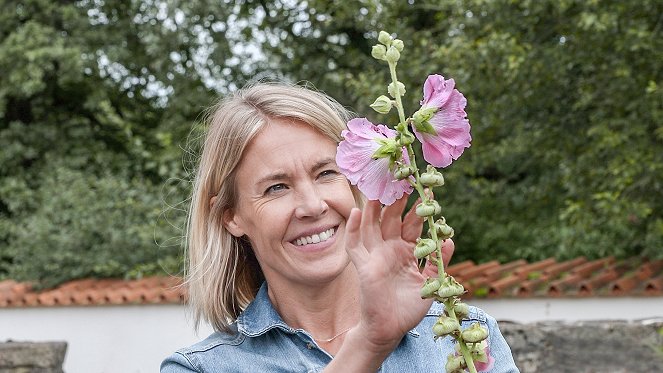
x=322 y=163
x=277 y=176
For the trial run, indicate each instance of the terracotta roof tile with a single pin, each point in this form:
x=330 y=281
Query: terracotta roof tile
x=578 y=277
x=152 y=290
x=546 y=278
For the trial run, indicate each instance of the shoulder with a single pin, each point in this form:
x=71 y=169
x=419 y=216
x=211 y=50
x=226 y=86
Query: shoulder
x=218 y=347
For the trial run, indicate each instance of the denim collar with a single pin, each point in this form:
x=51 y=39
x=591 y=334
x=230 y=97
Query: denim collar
x=260 y=317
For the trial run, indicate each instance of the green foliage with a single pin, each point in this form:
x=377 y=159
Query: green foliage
x=98 y=98
x=564 y=98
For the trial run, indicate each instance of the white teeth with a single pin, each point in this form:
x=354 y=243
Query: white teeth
x=316 y=238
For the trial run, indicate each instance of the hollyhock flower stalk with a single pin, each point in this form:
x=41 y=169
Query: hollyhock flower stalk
x=382 y=163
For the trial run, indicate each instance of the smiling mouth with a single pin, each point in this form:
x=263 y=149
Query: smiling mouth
x=316 y=238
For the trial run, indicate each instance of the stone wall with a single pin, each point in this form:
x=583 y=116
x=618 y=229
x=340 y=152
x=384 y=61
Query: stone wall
x=27 y=357
x=587 y=347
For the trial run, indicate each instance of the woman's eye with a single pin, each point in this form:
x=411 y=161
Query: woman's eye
x=275 y=188
x=328 y=173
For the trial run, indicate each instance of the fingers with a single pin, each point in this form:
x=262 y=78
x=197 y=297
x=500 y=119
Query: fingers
x=448 y=248
x=430 y=270
x=412 y=224
x=370 y=224
x=353 y=244
x=391 y=219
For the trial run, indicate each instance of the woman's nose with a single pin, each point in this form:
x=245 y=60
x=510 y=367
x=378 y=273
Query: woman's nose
x=310 y=203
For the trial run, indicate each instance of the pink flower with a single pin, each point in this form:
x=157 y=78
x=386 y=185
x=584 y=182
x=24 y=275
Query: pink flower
x=443 y=113
x=487 y=365
x=355 y=158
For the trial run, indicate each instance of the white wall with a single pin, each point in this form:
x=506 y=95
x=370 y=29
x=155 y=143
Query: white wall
x=572 y=309
x=134 y=339
x=105 y=339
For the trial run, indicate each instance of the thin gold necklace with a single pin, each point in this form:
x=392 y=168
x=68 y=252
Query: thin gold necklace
x=334 y=337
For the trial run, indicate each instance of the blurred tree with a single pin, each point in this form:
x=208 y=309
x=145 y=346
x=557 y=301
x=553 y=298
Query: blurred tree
x=98 y=97
x=565 y=100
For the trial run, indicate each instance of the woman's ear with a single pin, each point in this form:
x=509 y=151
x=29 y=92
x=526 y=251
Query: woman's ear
x=231 y=223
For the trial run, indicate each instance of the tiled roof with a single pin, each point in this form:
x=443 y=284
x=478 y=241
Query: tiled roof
x=547 y=278
x=572 y=278
x=150 y=290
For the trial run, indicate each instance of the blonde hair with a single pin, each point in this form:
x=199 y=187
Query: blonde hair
x=223 y=275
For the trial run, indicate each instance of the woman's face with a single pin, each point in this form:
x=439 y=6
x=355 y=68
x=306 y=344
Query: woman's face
x=292 y=204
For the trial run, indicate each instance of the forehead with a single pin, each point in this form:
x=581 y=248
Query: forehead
x=283 y=144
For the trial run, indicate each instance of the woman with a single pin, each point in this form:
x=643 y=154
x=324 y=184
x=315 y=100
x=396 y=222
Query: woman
x=292 y=275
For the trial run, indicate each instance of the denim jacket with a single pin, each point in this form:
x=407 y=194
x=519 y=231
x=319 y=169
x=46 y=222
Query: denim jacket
x=262 y=342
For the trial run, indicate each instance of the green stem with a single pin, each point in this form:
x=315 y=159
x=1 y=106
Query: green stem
x=399 y=103
x=417 y=185
x=469 y=360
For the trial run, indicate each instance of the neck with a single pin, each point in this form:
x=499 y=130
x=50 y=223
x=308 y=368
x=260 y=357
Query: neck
x=324 y=310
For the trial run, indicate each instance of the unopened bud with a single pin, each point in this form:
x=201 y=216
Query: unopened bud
x=461 y=310
x=455 y=364
x=431 y=177
x=403 y=172
x=382 y=104
x=393 y=55
x=475 y=333
x=384 y=38
x=430 y=287
x=398 y=44
x=405 y=138
x=425 y=246
x=444 y=231
x=394 y=90
x=379 y=52
x=445 y=325
x=428 y=208
x=450 y=288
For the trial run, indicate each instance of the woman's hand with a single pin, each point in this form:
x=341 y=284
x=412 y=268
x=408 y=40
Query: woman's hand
x=381 y=246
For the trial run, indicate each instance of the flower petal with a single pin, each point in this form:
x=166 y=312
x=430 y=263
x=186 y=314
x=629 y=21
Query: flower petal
x=452 y=128
x=373 y=177
x=437 y=91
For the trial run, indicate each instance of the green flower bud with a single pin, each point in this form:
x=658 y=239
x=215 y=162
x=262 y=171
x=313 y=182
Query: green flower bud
x=382 y=104
x=394 y=90
x=475 y=333
x=428 y=208
x=455 y=364
x=384 y=38
x=445 y=325
x=430 y=287
x=393 y=55
x=425 y=246
x=398 y=44
x=450 y=288
x=429 y=180
x=379 y=52
x=404 y=171
x=432 y=177
x=461 y=310
x=405 y=138
x=443 y=230
x=474 y=348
